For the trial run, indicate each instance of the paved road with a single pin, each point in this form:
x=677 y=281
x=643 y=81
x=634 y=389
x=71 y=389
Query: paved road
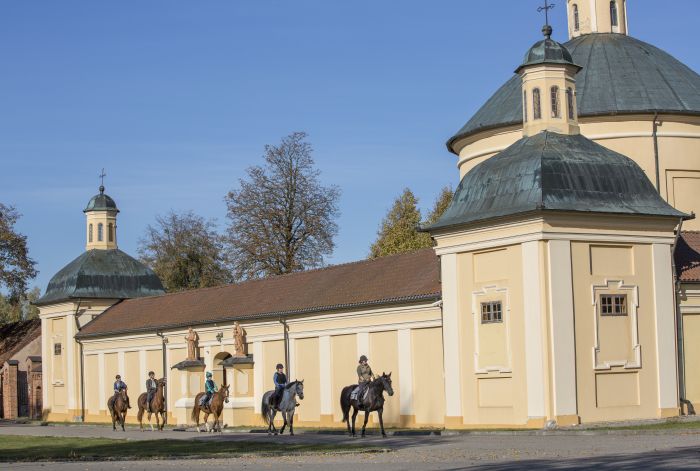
x=558 y=451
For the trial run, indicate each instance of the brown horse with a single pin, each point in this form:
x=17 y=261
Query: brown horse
x=215 y=407
x=118 y=406
x=157 y=406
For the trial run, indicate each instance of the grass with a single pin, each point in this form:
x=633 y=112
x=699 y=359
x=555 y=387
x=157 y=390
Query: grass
x=668 y=425
x=25 y=448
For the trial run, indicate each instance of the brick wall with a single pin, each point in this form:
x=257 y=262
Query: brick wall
x=9 y=389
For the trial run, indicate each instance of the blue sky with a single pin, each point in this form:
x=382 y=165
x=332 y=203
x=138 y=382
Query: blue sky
x=177 y=98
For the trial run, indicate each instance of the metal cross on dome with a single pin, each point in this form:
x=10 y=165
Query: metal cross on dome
x=102 y=176
x=547 y=6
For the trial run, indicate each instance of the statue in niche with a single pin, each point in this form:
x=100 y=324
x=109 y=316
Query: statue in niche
x=238 y=340
x=192 y=340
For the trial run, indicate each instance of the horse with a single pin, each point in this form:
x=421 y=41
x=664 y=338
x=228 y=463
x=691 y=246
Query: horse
x=372 y=401
x=118 y=406
x=157 y=406
x=215 y=407
x=286 y=406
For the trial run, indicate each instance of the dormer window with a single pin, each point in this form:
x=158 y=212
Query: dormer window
x=89 y=232
x=613 y=12
x=570 y=102
x=100 y=232
x=110 y=232
x=555 y=102
x=576 y=22
x=536 y=108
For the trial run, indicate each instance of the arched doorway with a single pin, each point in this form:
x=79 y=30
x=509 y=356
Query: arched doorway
x=219 y=370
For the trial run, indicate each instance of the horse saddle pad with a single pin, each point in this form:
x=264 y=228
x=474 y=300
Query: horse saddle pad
x=356 y=391
x=203 y=401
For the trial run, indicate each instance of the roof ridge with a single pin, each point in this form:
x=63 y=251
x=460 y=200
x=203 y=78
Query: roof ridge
x=275 y=277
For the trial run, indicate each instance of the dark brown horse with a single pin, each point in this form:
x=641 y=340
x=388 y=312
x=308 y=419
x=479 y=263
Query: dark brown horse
x=215 y=407
x=157 y=406
x=118 y=406
x=372 y=401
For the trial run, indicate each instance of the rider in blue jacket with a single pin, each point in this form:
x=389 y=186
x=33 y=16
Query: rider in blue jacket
x=280 y=380
x=120 y=386
x=209 y=389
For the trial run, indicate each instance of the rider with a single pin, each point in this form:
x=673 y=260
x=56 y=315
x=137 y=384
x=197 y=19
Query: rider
x=364 y=376
x=151 y=387
x=280 y=380
x=209 y=389
x=120 y=386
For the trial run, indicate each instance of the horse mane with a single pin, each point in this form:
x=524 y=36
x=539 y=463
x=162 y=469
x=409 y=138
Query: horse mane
x=289 y=385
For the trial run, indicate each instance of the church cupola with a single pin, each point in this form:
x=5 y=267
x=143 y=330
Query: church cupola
x=549 y=88
x=596 y=16
x=101 y=213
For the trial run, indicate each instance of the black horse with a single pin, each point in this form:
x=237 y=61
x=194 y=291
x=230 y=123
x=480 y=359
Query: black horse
x=372 y=401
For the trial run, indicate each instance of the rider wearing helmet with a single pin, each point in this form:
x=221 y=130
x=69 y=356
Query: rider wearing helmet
x=151 y=387
x=364 y=376
x=280 y=380
x=209 y=389
x=120 y=386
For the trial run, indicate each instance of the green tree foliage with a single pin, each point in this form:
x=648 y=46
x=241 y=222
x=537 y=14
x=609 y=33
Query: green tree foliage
x=185 y=251
x=282 y=219
x=398 y=232
x=16 y=267
x=24 y=309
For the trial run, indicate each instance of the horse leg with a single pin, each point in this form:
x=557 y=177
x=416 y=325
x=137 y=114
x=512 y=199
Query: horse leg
x=380 y=411
x=284 y=421
x=355 y=410
x=206 y=421
x=291 y=423
x=123 y=419
x=198 y=430
x=364 y=425
x=273 y=414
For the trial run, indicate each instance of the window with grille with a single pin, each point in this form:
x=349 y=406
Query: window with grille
x=90 y=233
x=110 y=232
x=100 y=232
x=491 y=312
x=570 y=102
x=555 y=101
x=613 y=304
x=576 y=23
x=536 y=109
x=57 y=349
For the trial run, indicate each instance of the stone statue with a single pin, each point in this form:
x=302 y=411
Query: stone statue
x=192 y=339
x=238 y=340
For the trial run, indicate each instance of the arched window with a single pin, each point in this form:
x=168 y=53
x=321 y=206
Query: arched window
x=576 y=23
x=89 y=232
x=613 y=12
x=524 y=106
x=570 y=102
x=100 y=232
x=536 y=109
x=110 y=232
x=555 y=102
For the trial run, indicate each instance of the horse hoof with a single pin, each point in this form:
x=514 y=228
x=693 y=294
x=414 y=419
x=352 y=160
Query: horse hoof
x=384 y=435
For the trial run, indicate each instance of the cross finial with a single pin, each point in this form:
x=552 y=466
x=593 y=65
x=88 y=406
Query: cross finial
x=546 y=29
x=102 y=176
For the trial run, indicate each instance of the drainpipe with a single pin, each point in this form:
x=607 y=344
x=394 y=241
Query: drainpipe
x=283 y=321
x=679 y=319
x=654 y=135
x=165 y=372
x=82 y=363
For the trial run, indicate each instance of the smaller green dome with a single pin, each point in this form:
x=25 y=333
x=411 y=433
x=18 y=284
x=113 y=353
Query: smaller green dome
x=547 y=51
x=101 y=202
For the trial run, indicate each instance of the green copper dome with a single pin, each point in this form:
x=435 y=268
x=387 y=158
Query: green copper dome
x=101 y=202
x=547 y=51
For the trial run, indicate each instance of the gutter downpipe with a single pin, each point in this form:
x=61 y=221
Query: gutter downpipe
x=679 y=320
x=82 y=364
x=654 y=135
x=165 y=373
x=283 y=321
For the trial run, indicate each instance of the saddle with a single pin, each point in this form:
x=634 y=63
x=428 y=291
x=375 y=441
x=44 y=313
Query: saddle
x=356 y=391
x=204 y=401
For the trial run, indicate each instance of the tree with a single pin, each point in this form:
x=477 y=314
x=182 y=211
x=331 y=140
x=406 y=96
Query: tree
x=441 y=204
x=185 y=251
x=281 y=218
x=16 y=267
x=24 y=309
x=398 y=233
x=399 y=229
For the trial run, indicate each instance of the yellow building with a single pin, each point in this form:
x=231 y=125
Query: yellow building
x=549 y=297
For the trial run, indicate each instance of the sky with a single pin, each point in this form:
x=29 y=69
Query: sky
x=175 y=99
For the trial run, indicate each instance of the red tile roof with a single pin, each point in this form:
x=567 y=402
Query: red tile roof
x=687 y=256
x=17 y=335
x=394 y=279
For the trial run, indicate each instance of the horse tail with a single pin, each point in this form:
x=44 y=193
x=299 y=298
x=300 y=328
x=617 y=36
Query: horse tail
x=195 y=408
x=265 y=408
x=345 y=402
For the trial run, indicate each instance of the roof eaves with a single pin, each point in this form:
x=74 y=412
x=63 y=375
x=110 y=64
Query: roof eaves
x=272 y=314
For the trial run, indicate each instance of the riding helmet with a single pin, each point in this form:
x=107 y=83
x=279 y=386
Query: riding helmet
x=151 y=373
x=279 y=365
x=363 y=358
x=209 y=375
